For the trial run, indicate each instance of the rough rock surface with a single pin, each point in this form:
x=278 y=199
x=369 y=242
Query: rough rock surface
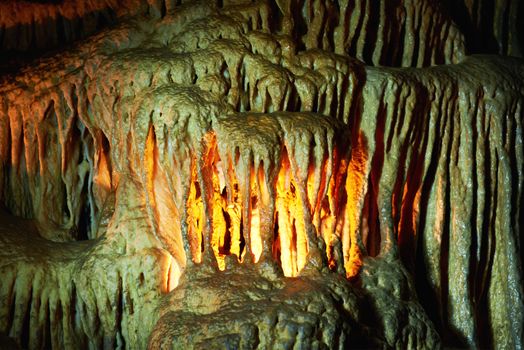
x=254 y=175
x=235 y=310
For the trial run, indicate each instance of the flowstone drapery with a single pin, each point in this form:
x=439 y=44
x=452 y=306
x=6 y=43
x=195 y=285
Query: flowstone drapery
x=266 y=174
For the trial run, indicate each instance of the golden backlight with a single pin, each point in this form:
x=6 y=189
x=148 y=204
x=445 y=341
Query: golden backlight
x=275 y=217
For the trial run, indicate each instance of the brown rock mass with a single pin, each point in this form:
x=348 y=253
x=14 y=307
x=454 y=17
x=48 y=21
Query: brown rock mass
x=269 y=174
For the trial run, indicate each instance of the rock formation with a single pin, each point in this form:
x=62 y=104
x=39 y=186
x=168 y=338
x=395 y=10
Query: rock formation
x=265 y=174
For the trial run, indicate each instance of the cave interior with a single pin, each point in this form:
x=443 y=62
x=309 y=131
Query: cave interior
x=261 y=174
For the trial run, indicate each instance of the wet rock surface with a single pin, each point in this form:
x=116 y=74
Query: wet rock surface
x=249 y=175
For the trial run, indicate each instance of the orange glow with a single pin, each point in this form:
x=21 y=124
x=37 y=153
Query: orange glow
x=225 y=206
x=355 y=187
x=195 y=216
x=313 y=186
x=234 y=209
x=256 y=240
x=250 y=216
x=149 y=159
x=172 y=274
x=166 y=219
x=103 y=175
x=254 y=231
x=219 y=205
x=291 y=225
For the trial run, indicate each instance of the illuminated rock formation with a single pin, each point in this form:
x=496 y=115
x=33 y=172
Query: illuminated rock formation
x=264 y=175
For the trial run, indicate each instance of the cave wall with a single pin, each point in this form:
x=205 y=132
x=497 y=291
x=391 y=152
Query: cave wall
x=415 y=146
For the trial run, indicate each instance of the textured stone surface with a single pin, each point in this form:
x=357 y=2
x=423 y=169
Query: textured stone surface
x=237 y=310
x=254 y=176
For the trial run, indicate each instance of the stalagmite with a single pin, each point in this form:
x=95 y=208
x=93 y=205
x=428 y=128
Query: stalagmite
x=261 y=174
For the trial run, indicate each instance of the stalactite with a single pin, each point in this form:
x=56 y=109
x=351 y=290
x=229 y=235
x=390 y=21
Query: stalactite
x=251 y=142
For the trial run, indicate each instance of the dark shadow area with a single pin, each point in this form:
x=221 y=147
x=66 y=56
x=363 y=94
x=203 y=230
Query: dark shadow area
x=23 y=44
x=478 y=32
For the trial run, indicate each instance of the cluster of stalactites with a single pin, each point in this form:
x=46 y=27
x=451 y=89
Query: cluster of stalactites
x=412 y=33
x=53 y=167
x=273 y=190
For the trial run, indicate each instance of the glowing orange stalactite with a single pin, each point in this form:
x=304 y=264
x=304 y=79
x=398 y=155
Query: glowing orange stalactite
x=224 y=203
x=299 y=227
x=222 y=241
x=103 y=176
x=255 y=238
x=149 y=160
x=165 y=212
x=195 y=216
x=284 y=231
x=291 y=225
x=256 y=241
x=226 y=208
x=219 y=204
x=313 y=185
x=355 y=187
x=234 y=210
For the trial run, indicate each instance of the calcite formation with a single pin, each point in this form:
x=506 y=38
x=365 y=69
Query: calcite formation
x=261 y=174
